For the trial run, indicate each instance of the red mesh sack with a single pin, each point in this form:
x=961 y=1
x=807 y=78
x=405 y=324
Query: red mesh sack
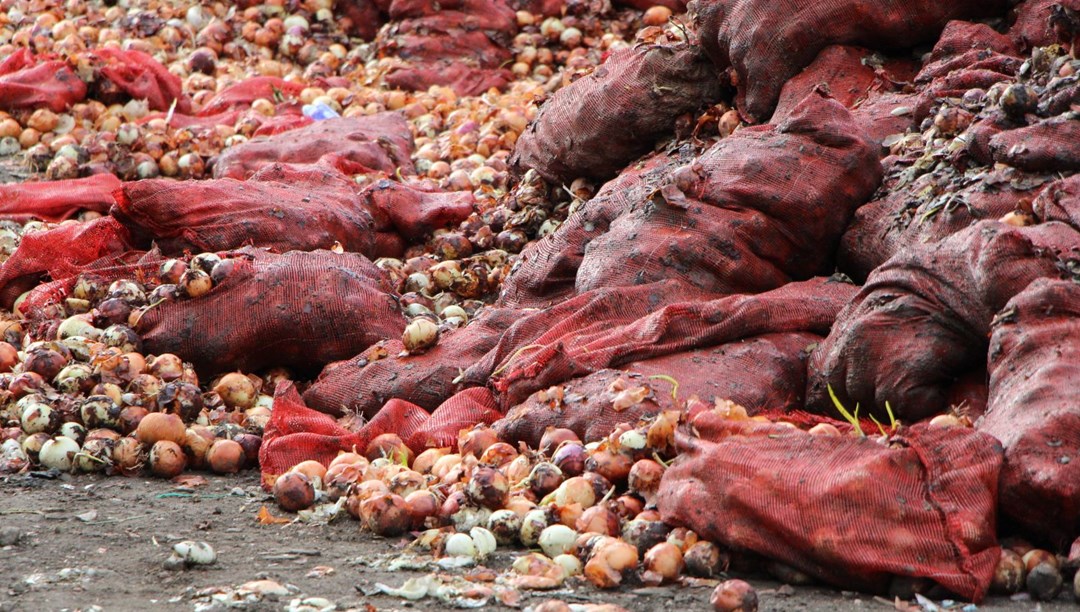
x=138 y=76
x=963 y=45
x=733 y=220
x=848 y=74
x=1052 y=145
x=764 y=373
x=358 y=18
x=28 y=82
x=925 y=502
x=549 y=266
x=601 y=122
x=57 y=200
x=490 y=15
x=60 y=252
x=768 y=44
x=464 y=80
x=415 y=213
x=296 y=433
x=1032 y=26
x=676 y=6
x=462 y=411
x=1060 y=201
x=1034 y=408
x=241 y=95
x=587 y=341
x=353 y=145
x=299 y=309
x=924 y=212
x=923 y=318
x=283 y=211
x=364 y=383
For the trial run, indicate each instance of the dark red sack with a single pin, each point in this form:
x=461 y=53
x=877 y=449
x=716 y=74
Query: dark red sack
x=1052 y=145
x=1034 y=408
x=57 y=200
x=59 y=253
x=359 y=18
x=549 y=266
x=415 y=213
x=240 y=95
x=923 y=318
x=767 y=46
x=464 y=80
x=299 y=310
x=850 y=511
x=369 y=380
x=296 y=433
x=604 y=336
x=362 y=144
x=462 y=411
x=765 y=373
x=139 y=76
x=601 y=122
x=28 y=82
x=762 y=207
x=284 y=210
x=1032 y=27
x=1060 y=201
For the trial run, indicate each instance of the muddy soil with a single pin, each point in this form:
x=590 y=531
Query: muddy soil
x=93 y=543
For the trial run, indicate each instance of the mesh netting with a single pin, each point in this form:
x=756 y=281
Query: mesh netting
x=847 y=510
x=29 y=82
x=764 y=373
x=1031 y=27
x=415 y=213
x=299 y=309
x=1034 y=407
x=57 y=200
x=353 y=145
x=138 y=76
x=599 y=123
x=923 y=317
x=1052 y=145
x=285 y=209
x=240 y=95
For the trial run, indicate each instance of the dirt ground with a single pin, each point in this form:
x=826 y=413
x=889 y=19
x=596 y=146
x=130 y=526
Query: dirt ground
x=93 y=543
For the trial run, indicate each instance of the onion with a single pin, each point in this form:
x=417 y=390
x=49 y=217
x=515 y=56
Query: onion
x=825 y=429
x=9 y=357
x=484 y=540
x=197 y=442
x=405 y=482
x=195 y=553
x=505 y=525
x=544 y=478
x=385 y=515
x=705 y=560
x=251 y=444
x=663 y=563
x=167 y=459
x=520 y=505
x=570 y=565
x=734 y=596
x=158 y=426
x=576 y=490
x=25 y=383
x=627 y=506
x=420 y=335
x=488 y=488
x=609 y=559
x=498 y=454
x=421 y=505
x=171 y=271
x=601 y=486
x=370 y=488
x=557 y=539
x=614 y=466
x=100 y=411
x=460 y=545
x=129 y=456
x=315 y=472
x=166 y=366
x=476 y=440
x=75 y=379
x=645 y=534
x=389 y=445
x=58 y=454
x=598 y=519
x=35 y=416
x=1010 y=574
x=225 y=457
x=633 y=440
x=518 y=469
x=567 y=515
x=45 y=362
x=181 y=398
x=195 y=283
x=293 y=492
x=425 y=461
x=531 y=526
x=554 y=437
x=1044 y=581
x=340 y=478
x=570 y=458
x=95 y=456
x=236 y=390
x=31 y=446
x=445 y=465
x=1036 y=557
x=945 y=420
x=644 y=478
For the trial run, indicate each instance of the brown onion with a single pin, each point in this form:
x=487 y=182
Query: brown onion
x=644 y=478
x=610 y=558
x=488 y=487
x=167 y=459
x=130 y=417
x=225 y=457
x=129 y=456
x=422 y=504
x=554 y=437
x=389 y=445
x=544 y=478
x=498 y=454
x=476 y=440
x=570 y=458
x=614 y=466
x=734 y=596
x=158 y=426
x=293 y=492
x=598 y=519
x=425 y=461
x=1044 y=582
x=405 y=482
x=251 y=444
x=348 y=459
x=663 y=563
x=9 y=357
x=1036 y=557
x=1010 y=573
x=237 y=391
x=705 y=560
x=627 y=506
x=315 y=472
x=385 y=515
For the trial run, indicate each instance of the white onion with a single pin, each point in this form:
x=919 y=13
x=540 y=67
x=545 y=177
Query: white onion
x=557 y=540
x=460 y=545
x=58 y=453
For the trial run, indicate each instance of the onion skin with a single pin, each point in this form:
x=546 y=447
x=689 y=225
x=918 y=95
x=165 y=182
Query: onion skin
x=129 y=456
x=315 y=472
x=293 y=492
x=734 y=596
x=167 y=459
x=158 y=426
x=498 y=455
x=225 y=457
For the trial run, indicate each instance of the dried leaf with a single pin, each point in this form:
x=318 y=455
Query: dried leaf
x=189 y=480
x=265 y=518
